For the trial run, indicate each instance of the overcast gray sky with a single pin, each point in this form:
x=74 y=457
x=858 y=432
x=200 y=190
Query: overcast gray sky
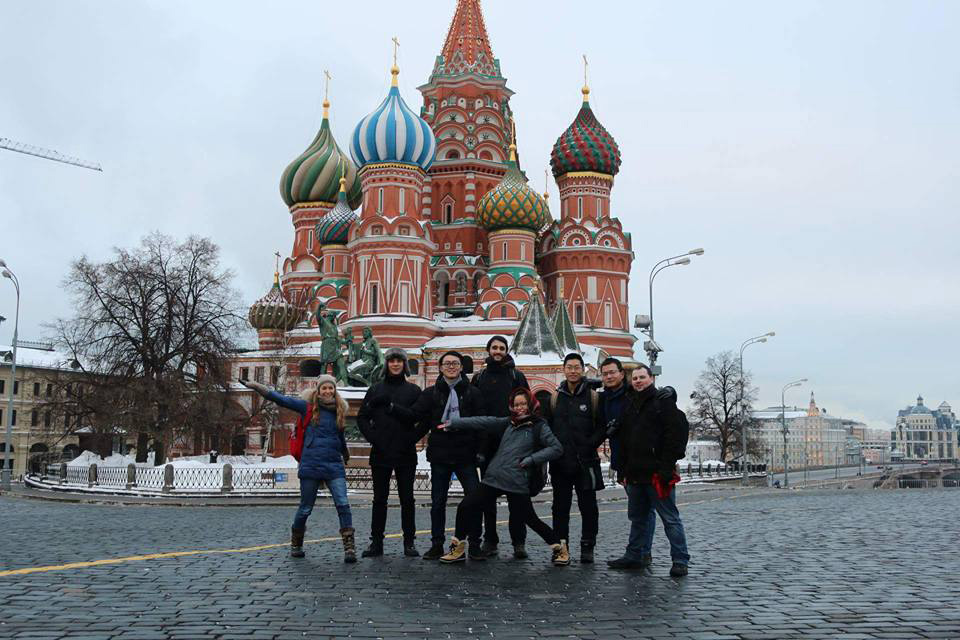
x=809 y=147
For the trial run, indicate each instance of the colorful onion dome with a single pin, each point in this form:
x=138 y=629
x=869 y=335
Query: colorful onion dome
x=314 y=175
x=334 y=227
x=585 y=145
x=512 y=204
x=273 y=311
x=393 y=133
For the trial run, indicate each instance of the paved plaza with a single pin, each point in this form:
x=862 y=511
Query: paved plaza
x=766 y=565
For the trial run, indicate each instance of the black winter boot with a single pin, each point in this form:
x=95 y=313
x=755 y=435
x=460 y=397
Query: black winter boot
x=586 y=551
x=475 y=551
x=435 y=551
x=296 y=543
x=375 y=550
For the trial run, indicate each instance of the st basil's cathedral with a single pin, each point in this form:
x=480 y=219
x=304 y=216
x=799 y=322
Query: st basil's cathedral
x=427 y=232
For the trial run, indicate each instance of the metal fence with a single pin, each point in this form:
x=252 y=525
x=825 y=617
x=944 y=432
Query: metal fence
x=78 y=475
x=149 y=477
x=112 y=476
x=198 y=478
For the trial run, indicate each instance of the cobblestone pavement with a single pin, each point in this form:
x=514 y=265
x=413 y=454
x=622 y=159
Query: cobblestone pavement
x=771 y=565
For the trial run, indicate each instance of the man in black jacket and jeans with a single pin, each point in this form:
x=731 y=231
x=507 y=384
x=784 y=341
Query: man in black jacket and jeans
x=498 y=378
x=653 y=435
x=386 y=419
x=572 y=416
x=449 y=452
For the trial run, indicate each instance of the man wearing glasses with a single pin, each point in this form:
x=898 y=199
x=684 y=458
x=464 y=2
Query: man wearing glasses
x=449 y=452
x=573 y=417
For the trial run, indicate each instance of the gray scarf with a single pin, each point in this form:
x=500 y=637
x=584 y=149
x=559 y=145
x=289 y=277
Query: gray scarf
x=452 y=410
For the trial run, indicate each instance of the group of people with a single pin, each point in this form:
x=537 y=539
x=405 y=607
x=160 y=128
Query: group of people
x=492 y=433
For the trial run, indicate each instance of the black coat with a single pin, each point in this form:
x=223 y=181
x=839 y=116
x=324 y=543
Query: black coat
x=495 y=382
x=653 y=435
x=449 y=447
x=386 y=419
x=576 y=426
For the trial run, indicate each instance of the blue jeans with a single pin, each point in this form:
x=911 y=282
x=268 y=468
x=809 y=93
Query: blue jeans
x=440 y=475
x=642 y=501
x=308 y=496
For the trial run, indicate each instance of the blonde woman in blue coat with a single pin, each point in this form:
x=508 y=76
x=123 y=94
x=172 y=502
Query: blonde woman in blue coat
x=321 y=448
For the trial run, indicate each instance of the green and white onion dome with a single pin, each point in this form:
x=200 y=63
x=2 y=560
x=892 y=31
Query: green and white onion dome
x=314 y=176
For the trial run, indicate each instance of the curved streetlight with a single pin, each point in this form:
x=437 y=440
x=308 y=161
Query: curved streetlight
x=783 y=425
x=7 y=458
x=743 y=422
x=651 y=346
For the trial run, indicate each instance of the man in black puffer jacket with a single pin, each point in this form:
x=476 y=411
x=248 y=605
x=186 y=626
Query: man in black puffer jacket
x=495 y=382
x=386 y=419
x=449 y=452
x=573 y=417
x=653 y=435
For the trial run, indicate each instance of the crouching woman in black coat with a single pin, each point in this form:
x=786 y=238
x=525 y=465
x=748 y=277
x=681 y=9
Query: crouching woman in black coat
x=526 y=442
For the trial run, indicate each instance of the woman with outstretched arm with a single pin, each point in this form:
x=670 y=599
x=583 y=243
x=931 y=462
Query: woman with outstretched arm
x=321 y=449
x=526 y=442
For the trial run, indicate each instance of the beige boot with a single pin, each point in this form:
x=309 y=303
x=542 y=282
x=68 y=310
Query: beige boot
x=458 y=552
x=561 y=554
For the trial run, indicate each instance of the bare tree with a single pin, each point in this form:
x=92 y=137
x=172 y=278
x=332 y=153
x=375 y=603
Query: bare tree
x=722 y=402
x=152 y=330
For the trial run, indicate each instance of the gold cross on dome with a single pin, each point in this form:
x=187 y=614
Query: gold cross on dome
x=396 y=45
x=277 y=254
x=585 y=66
x=326 y=88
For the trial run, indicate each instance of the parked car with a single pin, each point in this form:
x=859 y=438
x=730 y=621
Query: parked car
x=923 y=463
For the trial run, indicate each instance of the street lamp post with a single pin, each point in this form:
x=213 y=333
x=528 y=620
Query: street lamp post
x=8 y=441
x=743 y=422
x=651 y=346
x=783 y=426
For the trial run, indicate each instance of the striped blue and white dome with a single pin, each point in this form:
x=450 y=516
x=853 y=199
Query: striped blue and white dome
x=393 y=133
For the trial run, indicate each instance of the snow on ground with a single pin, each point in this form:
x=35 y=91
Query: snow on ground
x=87 y=458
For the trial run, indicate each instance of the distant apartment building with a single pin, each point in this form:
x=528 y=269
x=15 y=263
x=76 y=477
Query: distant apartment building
x=922 y=433
x=814 y=439
x=34 y=428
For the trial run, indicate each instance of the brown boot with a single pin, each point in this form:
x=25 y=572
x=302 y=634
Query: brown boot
x=561 y=555
x=296 y=543
x=349 y=545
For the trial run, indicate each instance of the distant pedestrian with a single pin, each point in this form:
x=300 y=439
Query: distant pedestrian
x=495 y=381
x=573 y=418
x=319 y=445
x=386 y=419
x=449 y=452
x=653 y=435
x=526 y=443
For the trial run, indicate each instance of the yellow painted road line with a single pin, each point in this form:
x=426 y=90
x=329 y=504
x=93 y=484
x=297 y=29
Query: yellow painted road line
x=201 y=552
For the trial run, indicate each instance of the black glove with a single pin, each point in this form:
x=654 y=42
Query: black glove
x=612 y=427
x=666 y=471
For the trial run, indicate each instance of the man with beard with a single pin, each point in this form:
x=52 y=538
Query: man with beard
x=496 y=382
x=449 y=452
x=653 y=435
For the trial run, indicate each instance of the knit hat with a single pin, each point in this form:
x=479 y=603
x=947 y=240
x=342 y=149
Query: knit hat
x=497 y=339
x=326 y=378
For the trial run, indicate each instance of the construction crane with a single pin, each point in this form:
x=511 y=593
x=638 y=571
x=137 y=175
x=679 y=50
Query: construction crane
x=49 y=154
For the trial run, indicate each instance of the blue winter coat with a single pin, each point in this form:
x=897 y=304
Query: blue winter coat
x=323 y=444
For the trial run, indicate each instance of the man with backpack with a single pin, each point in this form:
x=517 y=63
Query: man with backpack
x=652 y=434
x=495 y=383
x=449 y=452
x=573 y=418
